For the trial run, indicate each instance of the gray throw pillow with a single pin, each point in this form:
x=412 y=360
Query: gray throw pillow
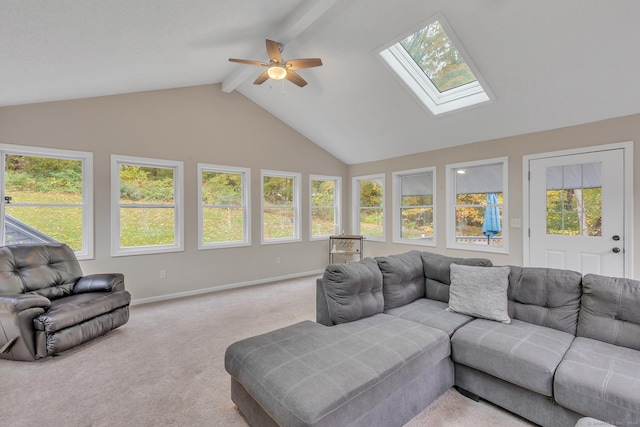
x=480 y=292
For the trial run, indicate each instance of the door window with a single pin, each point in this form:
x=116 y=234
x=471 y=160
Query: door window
x=574 y=199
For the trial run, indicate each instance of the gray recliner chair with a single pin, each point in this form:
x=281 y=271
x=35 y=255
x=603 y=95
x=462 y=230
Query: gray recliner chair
x=47 y=306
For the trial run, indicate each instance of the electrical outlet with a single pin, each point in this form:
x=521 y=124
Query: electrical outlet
x=163 y=274
x=277 y=260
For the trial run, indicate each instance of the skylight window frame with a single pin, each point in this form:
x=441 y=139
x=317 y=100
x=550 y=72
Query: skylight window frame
x=409 y=72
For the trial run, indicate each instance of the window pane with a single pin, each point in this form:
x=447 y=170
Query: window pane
x=322 y=192
x=279 y=223
x=31 y=182
x=221 y=188
x=322 y=221
x=371 y=193
x=142 y=184
x=222 y=225
x=23 y=224
x=469 y=226
x=437 y=56
x=593 y=210
x=146 y=226
x=417 y=223
x=371 y=222
x=278 y=191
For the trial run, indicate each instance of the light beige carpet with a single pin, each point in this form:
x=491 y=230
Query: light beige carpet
x=166 y=367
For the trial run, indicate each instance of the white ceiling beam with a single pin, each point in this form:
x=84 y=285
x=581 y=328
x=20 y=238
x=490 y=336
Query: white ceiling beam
x=296 y=23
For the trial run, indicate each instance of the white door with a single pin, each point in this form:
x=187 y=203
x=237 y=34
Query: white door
x=576 y=212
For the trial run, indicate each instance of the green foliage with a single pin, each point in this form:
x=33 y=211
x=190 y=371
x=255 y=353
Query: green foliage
x=142 y=184
x=222 y=189
x=371 y=193
x=278 y=191
x=42 y=174
x=322 y=193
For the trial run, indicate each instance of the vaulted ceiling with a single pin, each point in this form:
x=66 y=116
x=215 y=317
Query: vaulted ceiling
x=549 y=63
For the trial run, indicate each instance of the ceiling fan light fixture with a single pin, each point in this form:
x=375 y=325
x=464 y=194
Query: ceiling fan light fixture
x=277 y=72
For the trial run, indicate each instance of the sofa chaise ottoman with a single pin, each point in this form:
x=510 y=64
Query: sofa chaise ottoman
x=377 y=371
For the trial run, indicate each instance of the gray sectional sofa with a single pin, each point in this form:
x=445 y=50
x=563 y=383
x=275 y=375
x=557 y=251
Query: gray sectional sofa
x=393 y=333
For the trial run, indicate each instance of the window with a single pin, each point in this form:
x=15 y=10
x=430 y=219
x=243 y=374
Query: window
x=432 y=63
x=325 y=205
x=477 y=208
x=280 y=207
x=48 y=197
x=146 y=205
x=368 y=197
x=224 y=206
x=413 y=207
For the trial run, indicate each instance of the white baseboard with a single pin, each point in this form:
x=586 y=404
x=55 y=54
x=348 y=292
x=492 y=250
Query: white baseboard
x=223 y=287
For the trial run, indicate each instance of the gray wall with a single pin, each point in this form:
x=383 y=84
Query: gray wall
x=616 y=130
x=196 y=124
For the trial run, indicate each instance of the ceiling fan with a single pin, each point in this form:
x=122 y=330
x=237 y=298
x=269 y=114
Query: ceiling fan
x=279 y=69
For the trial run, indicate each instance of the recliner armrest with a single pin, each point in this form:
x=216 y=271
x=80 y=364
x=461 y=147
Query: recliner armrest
x=20 y=302
x=109 y=282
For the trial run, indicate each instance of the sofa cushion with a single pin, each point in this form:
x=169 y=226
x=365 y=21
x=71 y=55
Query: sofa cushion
x=353 y=290
x=479 y=292
x=521 y=353
x=402 y=278
x=431 y=313
x=545 y=297
x=438 y=274
x=610 y=310
x=307 y=373
x=600 y=380
x=75 y=309
x=49 y=270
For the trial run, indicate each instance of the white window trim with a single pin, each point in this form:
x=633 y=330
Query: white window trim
x=404 y=67
x=246 y=207
x=337 y=205
x=87 y=186
x=397 y=204
x=451 y=206
x=178 y=196
x=355 y=197
x=297 y=179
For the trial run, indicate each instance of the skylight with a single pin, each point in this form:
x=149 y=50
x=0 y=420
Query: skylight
x=432 y=64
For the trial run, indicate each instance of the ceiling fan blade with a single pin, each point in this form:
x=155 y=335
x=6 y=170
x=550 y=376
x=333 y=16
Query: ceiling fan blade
x=295 y=78
x=246 y=61
x=262 y=78
x=294 y=64
x=273 y=49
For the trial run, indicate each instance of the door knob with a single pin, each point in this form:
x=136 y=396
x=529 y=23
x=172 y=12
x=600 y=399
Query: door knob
x=616 y=237
x=615 y=250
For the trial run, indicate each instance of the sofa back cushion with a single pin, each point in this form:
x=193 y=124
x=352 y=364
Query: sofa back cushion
x=402 y=278
x=545 y=296
x=353 y=290
x=610 y=310
x=437 y=272
x=50 y=270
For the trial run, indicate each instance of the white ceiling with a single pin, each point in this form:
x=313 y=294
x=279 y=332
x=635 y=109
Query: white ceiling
x=549 y=63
